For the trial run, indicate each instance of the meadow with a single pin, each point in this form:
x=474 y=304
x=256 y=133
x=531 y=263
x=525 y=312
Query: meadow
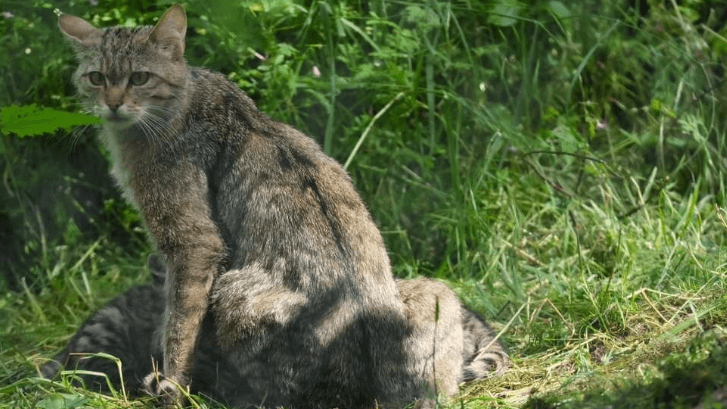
x=561 y=165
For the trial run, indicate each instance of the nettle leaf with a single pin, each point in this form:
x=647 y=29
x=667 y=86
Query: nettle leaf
x=31 y=120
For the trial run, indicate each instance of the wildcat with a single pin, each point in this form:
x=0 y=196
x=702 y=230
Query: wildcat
x=270 y=251
x=127 y=328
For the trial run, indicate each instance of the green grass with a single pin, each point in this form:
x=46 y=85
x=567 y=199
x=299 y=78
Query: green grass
x=561 y=166
x=602 y=313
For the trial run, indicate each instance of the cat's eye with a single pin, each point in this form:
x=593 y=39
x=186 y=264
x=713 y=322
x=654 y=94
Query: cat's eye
x=139 y=78
x=96 y=78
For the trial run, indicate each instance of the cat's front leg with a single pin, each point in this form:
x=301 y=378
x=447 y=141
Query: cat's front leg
x=187 y=292
x=178 y=215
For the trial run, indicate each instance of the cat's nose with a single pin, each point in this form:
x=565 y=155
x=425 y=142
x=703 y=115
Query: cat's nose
x=114 y=107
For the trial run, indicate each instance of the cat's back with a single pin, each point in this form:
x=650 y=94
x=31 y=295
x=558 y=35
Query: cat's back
x=221 y=106
x=308 y=285
x=279 y=198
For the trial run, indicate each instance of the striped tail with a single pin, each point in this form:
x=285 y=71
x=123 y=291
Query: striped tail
x=484 y=356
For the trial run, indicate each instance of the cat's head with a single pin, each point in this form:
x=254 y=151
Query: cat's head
x=130 y=75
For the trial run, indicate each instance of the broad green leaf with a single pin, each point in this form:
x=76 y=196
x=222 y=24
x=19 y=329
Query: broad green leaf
x=505 y=13
x=30 y=120
x=558 y=9
x=62 y=401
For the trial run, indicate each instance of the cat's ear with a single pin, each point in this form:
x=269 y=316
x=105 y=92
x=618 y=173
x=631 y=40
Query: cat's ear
x=170 y=31
x=81 y=33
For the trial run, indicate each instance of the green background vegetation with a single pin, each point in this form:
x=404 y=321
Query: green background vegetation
x=560 y=164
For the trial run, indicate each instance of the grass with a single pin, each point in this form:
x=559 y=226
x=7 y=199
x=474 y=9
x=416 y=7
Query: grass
x=560 y=166
x=621 y=309
x=591 y=312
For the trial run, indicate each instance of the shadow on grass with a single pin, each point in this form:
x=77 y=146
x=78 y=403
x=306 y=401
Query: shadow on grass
x=693 y=378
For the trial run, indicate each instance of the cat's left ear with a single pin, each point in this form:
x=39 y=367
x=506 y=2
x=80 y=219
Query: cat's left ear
x=170 y=31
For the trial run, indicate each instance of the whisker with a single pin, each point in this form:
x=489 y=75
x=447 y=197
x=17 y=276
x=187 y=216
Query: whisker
x=148 y=129
x=160 y=127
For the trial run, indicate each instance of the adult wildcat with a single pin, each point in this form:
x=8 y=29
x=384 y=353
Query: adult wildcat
x=271 y=251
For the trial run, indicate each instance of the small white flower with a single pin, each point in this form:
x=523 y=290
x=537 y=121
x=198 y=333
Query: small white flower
x=316 y=71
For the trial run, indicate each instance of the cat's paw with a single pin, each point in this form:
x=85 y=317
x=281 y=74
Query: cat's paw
x=166 y=391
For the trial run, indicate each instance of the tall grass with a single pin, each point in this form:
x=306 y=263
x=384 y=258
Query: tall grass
x=561 y=165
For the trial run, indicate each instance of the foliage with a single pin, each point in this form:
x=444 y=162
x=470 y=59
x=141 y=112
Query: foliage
x=33 y=120
x=562 y=165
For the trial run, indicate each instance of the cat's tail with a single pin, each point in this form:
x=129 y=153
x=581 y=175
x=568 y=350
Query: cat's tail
x=484 y=356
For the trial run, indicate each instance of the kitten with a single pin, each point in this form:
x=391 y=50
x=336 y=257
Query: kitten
x=124 y=328
x=271 y=252
x=127 y=328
